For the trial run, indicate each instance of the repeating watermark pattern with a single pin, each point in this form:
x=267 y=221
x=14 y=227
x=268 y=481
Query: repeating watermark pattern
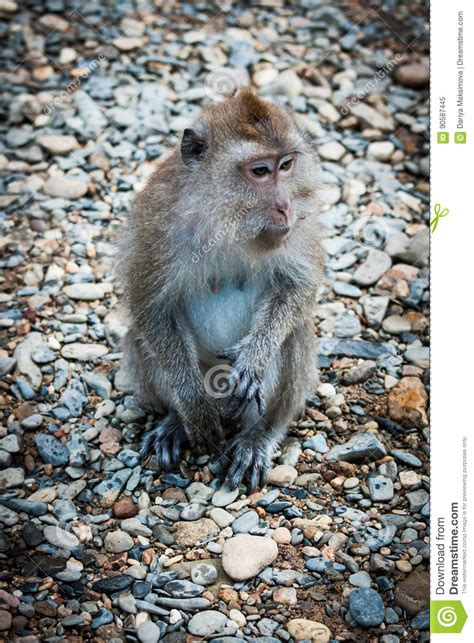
x=371 y=231
x=370 y=85
x=221 y=381
x=229 y=227
x=85 y=69
x=222 y=83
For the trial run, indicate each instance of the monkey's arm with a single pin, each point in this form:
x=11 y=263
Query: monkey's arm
x=289 y=301
x=171 y=344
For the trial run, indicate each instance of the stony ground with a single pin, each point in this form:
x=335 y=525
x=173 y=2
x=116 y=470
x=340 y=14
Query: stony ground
x=97 y=545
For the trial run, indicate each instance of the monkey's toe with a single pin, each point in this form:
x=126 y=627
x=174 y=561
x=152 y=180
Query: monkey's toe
x=168 y=442
x=247 y=462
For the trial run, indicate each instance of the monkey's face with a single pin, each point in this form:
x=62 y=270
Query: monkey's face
x=254 y=169
x=279 y=188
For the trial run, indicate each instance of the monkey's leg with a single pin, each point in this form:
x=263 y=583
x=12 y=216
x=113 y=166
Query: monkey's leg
x=289 y=381
x=167 y=440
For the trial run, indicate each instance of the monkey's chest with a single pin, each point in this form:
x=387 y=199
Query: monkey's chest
x=221 y=316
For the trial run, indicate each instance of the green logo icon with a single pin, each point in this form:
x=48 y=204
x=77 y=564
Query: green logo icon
x=460 y=137
x=447 y=617
x=438 y=214
x=443 y=137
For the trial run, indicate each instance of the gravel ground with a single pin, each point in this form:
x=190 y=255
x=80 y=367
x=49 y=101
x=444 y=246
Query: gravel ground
x=97 y=545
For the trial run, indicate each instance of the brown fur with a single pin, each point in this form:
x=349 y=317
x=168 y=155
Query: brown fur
x=201 y=225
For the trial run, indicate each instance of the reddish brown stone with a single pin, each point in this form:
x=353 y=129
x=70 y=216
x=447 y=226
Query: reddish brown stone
x=125 y=508
x=407 y=402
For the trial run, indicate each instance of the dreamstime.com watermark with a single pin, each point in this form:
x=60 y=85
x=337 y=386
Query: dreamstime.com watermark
x=85 y=69
x=229 y=227
x=370 y=85
x=221 y=381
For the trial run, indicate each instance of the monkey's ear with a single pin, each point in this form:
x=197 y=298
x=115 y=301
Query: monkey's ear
x=193 y=146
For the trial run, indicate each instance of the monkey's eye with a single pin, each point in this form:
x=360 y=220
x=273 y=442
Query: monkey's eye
x=260 y=170
x=286 y=165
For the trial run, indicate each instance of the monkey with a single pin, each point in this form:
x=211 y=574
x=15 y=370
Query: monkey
x=220 y=263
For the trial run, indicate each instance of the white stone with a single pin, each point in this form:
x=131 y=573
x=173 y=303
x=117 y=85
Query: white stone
x=245 y=556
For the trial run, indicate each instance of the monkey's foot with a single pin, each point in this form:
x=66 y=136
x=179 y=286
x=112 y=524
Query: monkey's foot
x=243 y=384
x=249 y=458
x=168 y=441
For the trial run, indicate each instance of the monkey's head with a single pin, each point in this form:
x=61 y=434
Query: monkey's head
x=255 y=167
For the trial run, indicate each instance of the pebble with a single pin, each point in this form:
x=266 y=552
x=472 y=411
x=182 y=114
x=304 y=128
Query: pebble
x=245 y=556
x=366 y=607
x=224 y=497
x=360 y=579
x=381 y=150
x=203 y=574
x=302 y=629
x=84 y=352
x=207 y=623
x=363 y=446
x=51 y=449
x=380 y=488
x=317 y=443
x=148 y=632
x=244 y=523
x=11 y=478
x=331 y=151
x=60 y=538
x=282 y=475
x=61 y=186
x=118 y=541
x=58 y=144
x=376 y=264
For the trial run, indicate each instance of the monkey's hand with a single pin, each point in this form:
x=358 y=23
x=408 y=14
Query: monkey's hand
x=202 y=425
x=245 y=381
x=248 y=457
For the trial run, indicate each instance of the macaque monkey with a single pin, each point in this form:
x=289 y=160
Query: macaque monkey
x=220 y=264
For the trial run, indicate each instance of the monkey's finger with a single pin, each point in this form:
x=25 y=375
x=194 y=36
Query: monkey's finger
x=227 y=353
x=236 y=406
x=244 y=382
x=238 y=467
x=255 y=474
x=261 y=404
x=264 y=473
x=252 y=389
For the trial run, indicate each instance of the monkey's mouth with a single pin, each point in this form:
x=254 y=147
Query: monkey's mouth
x=274 y=235
x=277 y=230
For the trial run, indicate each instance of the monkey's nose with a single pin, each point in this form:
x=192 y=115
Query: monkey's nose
x=283 y=212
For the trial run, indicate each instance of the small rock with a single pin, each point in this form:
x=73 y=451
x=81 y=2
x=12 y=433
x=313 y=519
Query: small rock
x=118 y=541
x=245 y=556
x=363 y=446
x=376 y=264
x=366 y=607
x=380 y=487
x=416 y=74
x=148 y=632
x=204 y=574
x=282 y=475
x=206 y=623
x=332 y=151
x=60 y=538
x=407 y=403
x=381 y=150
x=51 y=449
x=60 y=186
x=84 y=352
x=189 y=534
x=58 y=144
x=302 y=629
